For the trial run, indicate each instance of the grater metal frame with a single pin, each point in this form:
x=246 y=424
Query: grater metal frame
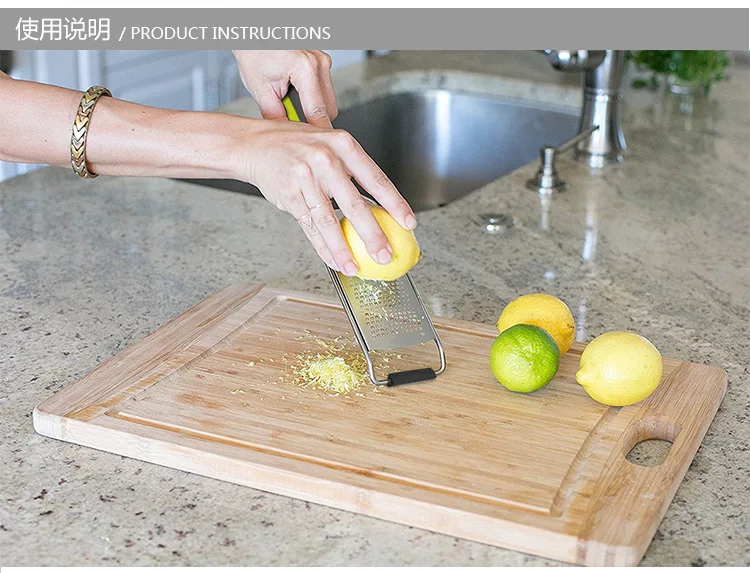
x=359 y=335
x=427 y=373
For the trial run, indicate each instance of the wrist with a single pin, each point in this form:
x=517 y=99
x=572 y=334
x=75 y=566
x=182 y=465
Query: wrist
x=235 y=142
x=214 y=147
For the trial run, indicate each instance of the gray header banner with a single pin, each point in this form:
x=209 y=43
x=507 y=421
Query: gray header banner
x=365 y=28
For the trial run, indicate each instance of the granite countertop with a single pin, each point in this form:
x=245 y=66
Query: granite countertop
x=658 y=245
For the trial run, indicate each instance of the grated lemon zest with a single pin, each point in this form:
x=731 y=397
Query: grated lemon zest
x=336 y=367
x=330 y=373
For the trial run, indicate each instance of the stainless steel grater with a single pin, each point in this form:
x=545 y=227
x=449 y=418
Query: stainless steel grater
x=386 y=315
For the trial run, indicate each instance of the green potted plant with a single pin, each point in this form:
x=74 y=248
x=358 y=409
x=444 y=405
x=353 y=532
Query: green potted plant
x=685 y=71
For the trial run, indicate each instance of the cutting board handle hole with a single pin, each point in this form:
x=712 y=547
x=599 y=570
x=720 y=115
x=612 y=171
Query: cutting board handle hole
x=650 y=440
x=649 y=453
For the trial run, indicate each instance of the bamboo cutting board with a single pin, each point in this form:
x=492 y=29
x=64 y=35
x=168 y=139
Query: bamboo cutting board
x=212 y=392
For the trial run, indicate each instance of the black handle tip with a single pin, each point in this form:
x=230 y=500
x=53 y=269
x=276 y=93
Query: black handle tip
x=411 y=376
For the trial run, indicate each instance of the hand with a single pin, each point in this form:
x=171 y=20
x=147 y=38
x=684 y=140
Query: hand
x=299 y=167
x=267 y=75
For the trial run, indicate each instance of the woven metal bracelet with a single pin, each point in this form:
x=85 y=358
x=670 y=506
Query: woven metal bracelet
x=80 y=130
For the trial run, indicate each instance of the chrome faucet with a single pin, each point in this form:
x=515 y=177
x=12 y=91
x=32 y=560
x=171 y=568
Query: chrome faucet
x=602 y=82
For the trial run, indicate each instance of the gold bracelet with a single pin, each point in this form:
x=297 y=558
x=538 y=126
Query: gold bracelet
x=80 y=130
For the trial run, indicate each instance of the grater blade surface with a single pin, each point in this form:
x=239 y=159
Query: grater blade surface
x=389 y=314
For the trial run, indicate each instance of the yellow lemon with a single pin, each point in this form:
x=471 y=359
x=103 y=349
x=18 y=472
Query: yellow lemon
x=545 y=311
x=524 y=358
x=619 y=368
x=404 y=244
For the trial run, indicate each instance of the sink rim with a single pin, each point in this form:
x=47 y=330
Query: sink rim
x=351 y=91
x=519 y=102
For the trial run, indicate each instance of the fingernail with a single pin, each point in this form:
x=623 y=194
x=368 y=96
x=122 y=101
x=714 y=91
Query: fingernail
x=384 y=256
x=350 y=269
x=334 y=266
x=411 y=222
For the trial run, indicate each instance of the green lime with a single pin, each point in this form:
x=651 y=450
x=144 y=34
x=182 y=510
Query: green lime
x=524 y=358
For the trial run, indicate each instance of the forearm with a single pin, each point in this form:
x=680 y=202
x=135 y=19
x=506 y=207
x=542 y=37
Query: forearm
x=123 y=138
x=297 y=166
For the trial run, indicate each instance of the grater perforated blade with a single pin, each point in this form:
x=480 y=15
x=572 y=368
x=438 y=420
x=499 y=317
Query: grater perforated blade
x=386 y=315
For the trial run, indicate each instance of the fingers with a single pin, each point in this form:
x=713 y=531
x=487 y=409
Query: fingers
x=328 y=178
x=267 y=74
x=313 y=210
x=372 y=179
x=297 y=207
x=326 y=224
x=270 y=104
x=314 y=94
x=358 y=211
x=320 y=246
x=326 y=83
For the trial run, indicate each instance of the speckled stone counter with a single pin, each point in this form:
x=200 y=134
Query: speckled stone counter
x=658 y=245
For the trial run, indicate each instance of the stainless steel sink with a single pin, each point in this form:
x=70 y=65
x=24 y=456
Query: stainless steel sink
x=438 y=145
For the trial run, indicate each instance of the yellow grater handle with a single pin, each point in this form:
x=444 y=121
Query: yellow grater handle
x=291 y=105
